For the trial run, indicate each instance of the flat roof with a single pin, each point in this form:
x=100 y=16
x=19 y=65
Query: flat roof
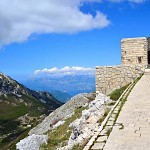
x=136 y=38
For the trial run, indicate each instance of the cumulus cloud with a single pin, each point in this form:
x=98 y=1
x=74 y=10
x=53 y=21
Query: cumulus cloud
x=75 y=70
x=19 y=19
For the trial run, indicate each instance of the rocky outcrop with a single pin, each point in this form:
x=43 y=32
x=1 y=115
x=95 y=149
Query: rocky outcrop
x=61 y=113
x=32 y=142
x=8 y=86
x=21 y=108
x=56 y=118
x=84 y=127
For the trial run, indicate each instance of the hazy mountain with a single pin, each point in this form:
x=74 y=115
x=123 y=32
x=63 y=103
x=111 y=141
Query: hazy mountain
x=61 y=96
x=71 y=84
x=20 y=107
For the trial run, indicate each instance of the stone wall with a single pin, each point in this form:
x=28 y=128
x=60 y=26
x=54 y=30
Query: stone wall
x=135 y=50
x=110 y=78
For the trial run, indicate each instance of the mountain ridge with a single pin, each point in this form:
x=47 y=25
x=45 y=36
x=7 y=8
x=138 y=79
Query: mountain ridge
x=71 y=84
x=21 y=109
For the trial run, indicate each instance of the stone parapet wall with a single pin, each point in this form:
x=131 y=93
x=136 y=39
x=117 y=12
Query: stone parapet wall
x=109 y=78
x=135 y=50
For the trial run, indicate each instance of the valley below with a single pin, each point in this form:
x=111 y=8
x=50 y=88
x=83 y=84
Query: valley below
x=20 y=110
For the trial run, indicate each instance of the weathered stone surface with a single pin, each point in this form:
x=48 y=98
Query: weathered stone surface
x=134 y=61
x=32 y=142
x=101 y=139
x=132 y=126
x=134 y=50
x=98 y=146
x=119 y=76
x=36 y=135
x=85 y=127
x=61 y=113
x=110 y=123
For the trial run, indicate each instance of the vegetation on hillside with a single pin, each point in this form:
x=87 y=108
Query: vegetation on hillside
x=60 y=136
x=117 y=93
x=12 y=108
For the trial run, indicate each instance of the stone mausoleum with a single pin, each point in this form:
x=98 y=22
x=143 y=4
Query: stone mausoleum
x=135 y=51
x=135 y=54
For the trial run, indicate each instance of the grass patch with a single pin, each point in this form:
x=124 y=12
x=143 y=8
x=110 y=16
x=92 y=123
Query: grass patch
x=59 y=136
x=11 y=108
x=124 y=99
x=105 y=114
x=10 y=141
x=109 y=131
x=77 y=147
x=111 y=103
x=21 y=136
x=117 y=93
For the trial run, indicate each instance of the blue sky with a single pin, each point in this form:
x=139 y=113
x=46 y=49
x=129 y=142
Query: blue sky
x=95 y=42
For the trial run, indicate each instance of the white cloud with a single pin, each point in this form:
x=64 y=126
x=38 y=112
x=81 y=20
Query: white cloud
x=75 y=70
x=19 y=19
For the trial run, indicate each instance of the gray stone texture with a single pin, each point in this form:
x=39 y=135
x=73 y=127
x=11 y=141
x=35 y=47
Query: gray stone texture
x=134 y=55
x=109 y=78
x=61 y=113
x=135 y=50
x=134 y=116
x=32 y=142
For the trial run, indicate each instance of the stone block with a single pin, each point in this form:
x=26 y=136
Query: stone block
x=98 y=146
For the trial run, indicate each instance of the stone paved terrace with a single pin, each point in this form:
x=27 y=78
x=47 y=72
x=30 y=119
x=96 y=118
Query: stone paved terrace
x=135 y=118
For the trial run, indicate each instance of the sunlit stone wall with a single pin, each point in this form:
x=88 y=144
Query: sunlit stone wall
x=110 y=78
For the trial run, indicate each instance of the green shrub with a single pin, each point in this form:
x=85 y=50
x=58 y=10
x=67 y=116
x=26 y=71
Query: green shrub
x=117 y=93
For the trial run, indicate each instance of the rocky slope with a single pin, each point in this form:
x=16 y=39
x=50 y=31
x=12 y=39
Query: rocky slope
x=21 y=108
x=12 y=87
x=61 y=113
x=71 y=124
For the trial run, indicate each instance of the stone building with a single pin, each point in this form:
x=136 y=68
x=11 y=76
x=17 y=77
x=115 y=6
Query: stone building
x=135 y=54
x=135 y=51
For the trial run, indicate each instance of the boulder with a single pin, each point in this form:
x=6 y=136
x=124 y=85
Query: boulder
x=32 y=142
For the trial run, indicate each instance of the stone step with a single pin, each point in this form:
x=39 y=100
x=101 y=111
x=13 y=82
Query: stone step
x=147 y=72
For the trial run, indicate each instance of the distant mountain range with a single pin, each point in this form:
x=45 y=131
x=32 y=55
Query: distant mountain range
x=63 y=87
x=61 y=96
x=21 y=108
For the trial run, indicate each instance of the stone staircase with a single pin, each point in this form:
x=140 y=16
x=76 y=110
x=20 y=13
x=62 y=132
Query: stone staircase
x=98 y=141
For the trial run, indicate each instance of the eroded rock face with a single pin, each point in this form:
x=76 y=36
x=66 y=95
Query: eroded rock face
x=9 y=86
x=61 y=113
x=32 y=142
x=84 y=127
x=36 y=135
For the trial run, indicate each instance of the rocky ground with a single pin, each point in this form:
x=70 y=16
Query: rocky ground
x=20 y=110
x=94 y=110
